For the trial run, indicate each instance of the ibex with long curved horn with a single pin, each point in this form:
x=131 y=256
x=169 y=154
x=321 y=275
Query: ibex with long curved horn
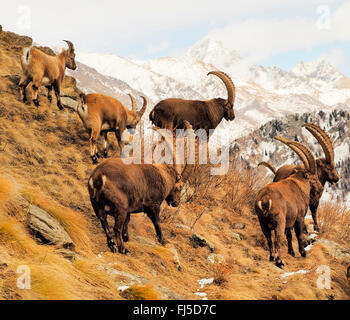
x=326 y=171
x=119 y=189
x=103 y=114
x=282 y=205
x=171 y=113
x=43 y=69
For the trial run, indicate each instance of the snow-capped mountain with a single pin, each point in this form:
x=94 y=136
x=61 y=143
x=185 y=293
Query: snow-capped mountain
x=262 y=93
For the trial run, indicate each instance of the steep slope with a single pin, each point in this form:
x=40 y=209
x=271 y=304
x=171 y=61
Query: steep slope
x=44 y=161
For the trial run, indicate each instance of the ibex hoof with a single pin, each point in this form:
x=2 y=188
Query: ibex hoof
x=112 y=248
x=60 y=107
x=36 y=102
x=163 y=242
x=125 y=237
x=94 y=159
x=123 y=251
x=105 y=155
x=303 y=254
x=279 y=263
x=291 y=253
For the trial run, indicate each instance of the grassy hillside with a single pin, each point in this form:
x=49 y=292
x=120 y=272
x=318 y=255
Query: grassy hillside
x=44 y=160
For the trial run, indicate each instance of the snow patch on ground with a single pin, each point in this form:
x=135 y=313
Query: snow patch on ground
x=203 y=282
x=288 y=274
x=308 y=248
x=123 y=288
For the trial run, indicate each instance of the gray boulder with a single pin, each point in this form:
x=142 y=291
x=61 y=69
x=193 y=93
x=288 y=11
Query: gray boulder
x=238 y=226
x=69 y=102
x=199 y=241
x=47 y=229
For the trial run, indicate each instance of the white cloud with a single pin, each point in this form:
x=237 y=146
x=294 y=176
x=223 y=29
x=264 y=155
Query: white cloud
x=261 y=38
x=130 y=20
x=250 y=26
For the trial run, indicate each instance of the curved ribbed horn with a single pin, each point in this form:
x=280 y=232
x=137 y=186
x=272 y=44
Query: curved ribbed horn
x=133 y=103
x=297 y=150
x=143 y=109
x=70 y=45
x=267 y=165
x=323 y=139
x=231 y=90
x=308 y=154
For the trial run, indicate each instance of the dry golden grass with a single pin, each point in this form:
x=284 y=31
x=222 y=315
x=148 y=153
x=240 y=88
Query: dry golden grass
x=46 y=161
x=7 y=188
x=334 y=221
x=137 y=292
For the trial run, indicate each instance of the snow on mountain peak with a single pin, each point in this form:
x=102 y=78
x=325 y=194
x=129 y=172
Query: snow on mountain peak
x=318 y=69
x=213 y=52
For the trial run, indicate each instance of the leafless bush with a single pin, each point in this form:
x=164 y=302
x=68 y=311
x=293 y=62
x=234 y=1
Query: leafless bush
x=334 y=221
x=220 y=271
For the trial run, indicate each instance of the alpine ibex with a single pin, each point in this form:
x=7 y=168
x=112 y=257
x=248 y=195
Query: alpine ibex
x=171 y=113
x=282 y=205
x=119 y=189
x=43 y=69
x=326 y=171
x=102 y=114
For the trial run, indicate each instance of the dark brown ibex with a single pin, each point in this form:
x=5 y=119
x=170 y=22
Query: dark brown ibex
x=326 y=171
x=43 y=69
x=119 y=189
x=171 y=113
x=282 y=205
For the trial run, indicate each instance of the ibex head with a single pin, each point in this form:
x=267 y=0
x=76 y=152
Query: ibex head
x=174 y=197
x=135 y=119
x=70 y=56
x=325 y=166
x=229 y=113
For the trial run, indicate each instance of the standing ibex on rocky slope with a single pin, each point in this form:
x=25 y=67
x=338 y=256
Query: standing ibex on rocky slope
x=171 y=113
x=118 y=189
x=43 y=69
x=103 y=114
x=326 y=171
x=282 y=205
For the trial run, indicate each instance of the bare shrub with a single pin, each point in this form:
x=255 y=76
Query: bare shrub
x=334 y=221
x=220 y=271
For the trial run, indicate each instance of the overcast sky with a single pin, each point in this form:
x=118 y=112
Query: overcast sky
x=270 y=32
